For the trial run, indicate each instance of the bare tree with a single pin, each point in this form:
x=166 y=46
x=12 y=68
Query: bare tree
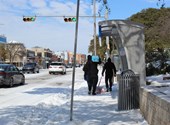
x=14 y=49
x=3 y=52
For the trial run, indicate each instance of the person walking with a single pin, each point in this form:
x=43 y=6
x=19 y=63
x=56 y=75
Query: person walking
x=86 y=74
x=108 y=68
x=91 y=75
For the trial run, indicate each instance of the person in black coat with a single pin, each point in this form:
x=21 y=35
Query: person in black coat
x=86 y=73
x=110 y=70
x=91 y=75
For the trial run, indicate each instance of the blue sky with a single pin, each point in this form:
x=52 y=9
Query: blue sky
x=53 y=32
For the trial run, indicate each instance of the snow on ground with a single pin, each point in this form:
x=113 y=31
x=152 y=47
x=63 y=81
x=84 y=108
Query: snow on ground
x=100 y=109
x=34 y=75
x=42 y=72
x=158 y=79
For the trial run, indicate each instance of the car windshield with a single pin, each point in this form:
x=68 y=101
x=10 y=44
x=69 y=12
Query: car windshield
x=58 y=64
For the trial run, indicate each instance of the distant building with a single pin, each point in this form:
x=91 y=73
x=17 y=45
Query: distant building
x=3 y=39
x=62 y=56
x=68 y=57
x=83 y=59
x=42 y=56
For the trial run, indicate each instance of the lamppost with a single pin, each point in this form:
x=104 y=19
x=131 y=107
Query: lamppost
x=106 y=18
x=107 y=38
x=94 y=14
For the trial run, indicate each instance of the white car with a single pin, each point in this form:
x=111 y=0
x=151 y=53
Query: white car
x=57 y=67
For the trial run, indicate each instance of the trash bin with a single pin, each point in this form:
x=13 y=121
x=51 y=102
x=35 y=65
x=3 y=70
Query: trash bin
x=128 y=94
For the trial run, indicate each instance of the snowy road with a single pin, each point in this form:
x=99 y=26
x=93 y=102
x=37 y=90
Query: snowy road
x=32 y=92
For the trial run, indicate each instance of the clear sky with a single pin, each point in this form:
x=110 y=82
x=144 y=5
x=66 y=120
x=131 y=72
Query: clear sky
x=53 y=32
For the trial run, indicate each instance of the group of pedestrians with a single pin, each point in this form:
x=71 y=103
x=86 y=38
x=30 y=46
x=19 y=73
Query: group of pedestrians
x=91 y=74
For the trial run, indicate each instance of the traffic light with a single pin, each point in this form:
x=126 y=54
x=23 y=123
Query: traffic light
x=29 y=19
x=73 y=19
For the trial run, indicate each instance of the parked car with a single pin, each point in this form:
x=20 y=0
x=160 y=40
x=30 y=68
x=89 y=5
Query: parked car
x=10 y=75
x=30 y=67
x=57 y=67
x=77 y=65
x=69 y=65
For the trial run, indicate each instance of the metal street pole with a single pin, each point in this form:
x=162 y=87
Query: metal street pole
x=107 y=38
x=94 y=14
x=75 y=49
x=63 y=16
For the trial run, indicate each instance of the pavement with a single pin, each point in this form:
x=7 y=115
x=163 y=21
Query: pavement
x=103 y=108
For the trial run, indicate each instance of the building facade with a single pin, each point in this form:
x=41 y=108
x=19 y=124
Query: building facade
x=68 y=57
x=43 y=56
x=3 y=39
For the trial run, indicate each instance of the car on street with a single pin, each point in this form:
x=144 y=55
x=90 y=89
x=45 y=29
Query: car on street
x=57 y=67
x=69 y=65
x=31 y=67
x=10 y=75
x=78 y=65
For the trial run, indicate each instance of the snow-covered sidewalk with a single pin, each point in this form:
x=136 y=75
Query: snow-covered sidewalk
x=101 y=109
x=98 y=109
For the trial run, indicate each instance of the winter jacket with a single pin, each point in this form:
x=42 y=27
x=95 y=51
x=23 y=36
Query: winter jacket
x=109 y=67
x=90 y=68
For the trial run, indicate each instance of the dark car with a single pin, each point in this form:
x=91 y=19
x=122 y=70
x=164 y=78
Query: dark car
x=69 y=65
x=10 y=75
x=30 y=67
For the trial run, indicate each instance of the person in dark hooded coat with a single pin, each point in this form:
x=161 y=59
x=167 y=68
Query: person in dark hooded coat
x=86 y=74
x=91 y=75
x=110 y=70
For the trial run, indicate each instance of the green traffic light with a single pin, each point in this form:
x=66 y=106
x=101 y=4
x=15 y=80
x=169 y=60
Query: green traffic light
x=32 y=18
x=29 y=19
x=74 y=19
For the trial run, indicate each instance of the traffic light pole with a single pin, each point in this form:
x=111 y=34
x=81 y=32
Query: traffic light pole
x=107 y=38
x=75 y=49
x=66 y=18
x=94 y=15
x=69 y=16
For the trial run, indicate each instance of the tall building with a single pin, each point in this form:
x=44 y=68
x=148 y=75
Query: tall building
x=3 y=39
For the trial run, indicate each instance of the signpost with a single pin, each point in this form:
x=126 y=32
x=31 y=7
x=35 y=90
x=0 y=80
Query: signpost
x=75 y=49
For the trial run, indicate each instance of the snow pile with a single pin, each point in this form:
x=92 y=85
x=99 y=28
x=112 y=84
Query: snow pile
x=88 y=110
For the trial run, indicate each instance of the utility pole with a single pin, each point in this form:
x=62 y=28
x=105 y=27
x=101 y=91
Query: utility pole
x=107 y=38
x=94 y=14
